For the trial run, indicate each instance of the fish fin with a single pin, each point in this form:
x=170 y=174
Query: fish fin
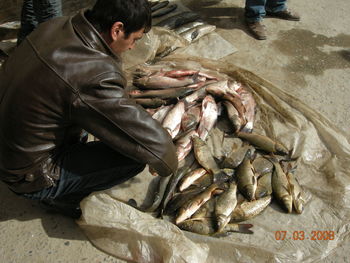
x=245 y=228
x=291 y=188
x=254 y=180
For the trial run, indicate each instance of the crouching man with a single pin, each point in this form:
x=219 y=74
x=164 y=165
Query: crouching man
x=66 y=77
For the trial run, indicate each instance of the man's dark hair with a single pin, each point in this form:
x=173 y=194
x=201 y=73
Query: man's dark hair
x=134 y=14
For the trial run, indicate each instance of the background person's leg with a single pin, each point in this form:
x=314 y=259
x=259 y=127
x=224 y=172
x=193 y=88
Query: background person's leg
x=275 y=6
x=47 y=9
x=28 y=20
x=278 y=8
x=254 y=10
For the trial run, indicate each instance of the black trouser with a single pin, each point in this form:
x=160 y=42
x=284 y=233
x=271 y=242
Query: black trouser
x=89 y=167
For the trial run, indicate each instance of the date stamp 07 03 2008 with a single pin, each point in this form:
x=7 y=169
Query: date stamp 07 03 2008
x=303 y=235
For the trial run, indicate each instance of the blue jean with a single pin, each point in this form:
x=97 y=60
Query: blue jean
x=88 y=167
x=255 y=10
x=35 y=12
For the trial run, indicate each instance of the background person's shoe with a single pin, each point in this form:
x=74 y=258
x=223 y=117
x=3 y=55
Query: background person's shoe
x=257 y=29
x=285 y=14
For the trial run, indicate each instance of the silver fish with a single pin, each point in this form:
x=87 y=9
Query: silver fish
x=172 y=122
x=208 y=118
x=159 y=81
x=195 y=33
x=191 y=118
x=160 y=114
x=184 y=145
x=187 y=26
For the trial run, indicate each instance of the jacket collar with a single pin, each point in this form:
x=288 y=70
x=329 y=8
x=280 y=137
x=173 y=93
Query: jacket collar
x=90 y=35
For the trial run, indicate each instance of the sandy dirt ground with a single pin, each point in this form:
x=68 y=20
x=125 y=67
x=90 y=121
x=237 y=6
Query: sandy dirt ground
x=310 y=59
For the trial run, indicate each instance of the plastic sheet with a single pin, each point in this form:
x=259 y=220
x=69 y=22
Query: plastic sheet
x=324 y=155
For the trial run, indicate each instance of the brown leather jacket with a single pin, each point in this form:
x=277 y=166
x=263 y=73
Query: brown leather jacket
x=61 y=79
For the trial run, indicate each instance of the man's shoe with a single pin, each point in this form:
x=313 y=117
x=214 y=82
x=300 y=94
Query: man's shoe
x=257 y=29
x=52 y=206
x=285 y=14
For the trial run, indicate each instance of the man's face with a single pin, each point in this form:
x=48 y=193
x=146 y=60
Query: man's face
x=120 y=43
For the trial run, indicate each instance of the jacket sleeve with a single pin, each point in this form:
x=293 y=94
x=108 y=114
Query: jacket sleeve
x=103 y=109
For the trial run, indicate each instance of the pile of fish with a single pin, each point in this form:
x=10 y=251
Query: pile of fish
x=211 y=194
x=184 y=23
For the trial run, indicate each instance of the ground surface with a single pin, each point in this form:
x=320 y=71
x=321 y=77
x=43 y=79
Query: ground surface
x=310 y=59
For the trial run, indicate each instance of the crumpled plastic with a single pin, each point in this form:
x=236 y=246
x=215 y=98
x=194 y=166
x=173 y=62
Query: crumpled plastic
x=323 y=153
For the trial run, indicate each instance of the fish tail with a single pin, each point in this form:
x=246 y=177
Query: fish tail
x=245 y=228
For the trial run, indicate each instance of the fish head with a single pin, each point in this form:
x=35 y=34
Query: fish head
x=281 y=148
x=222 y=221
x=250 y=192
x=299 y=206
x=287 y=200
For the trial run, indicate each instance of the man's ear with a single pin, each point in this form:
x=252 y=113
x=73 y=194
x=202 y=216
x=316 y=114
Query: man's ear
x=117 y=30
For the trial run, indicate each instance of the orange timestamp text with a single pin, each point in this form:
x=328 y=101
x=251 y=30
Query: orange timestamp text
x=303 y=235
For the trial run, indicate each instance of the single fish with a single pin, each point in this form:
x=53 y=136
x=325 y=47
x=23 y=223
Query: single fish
x=263 y=142
x=237 y=103
x=233 y=116
x=246 y=178
x=204 y=157
x=158 y=196
x=179 y=73
x=208 y=118
x=179 y=199
x=264 y=187
x=225 y=204
x=195 y=203
x=172 y=121
x=189 y=178
x=297 y=193
x=160 y=81
x=160 y=114
x=163 y=11
x=187 y=26
x=171 y=186
x=184 y=145
x=191 y=118
x=248 y=210
x=193 y=34
x=281 y=187
x=159 y=5
x=207 y=227
x=250 y=107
